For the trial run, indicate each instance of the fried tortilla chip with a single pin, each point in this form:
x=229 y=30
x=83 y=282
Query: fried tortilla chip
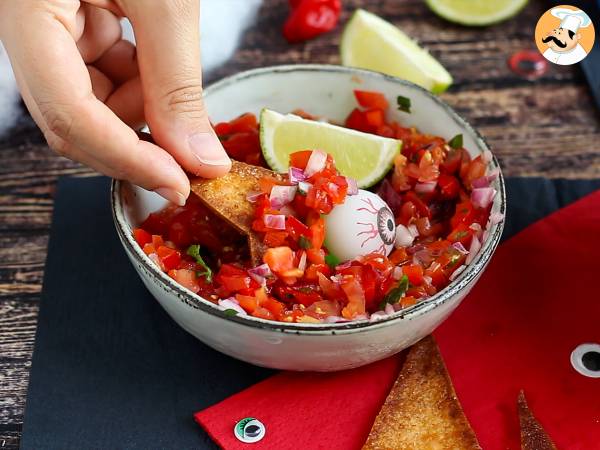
x=226 y=197
x=422 y=411
x=533 y=435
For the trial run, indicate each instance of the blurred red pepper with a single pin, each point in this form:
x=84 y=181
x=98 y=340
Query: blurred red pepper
x=310 y=18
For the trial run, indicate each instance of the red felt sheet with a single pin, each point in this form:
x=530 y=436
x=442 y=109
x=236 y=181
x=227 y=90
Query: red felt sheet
x=538 y=300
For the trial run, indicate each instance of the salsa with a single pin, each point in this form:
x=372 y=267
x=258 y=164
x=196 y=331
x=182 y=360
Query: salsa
x=440 y=198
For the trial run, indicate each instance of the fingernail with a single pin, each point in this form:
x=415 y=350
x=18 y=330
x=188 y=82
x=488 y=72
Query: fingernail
x=208 y=149
x=172 y=195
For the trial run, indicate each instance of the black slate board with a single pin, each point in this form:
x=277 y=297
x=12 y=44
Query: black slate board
x=111 y=370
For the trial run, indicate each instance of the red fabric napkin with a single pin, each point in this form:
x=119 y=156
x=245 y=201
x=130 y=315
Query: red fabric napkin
x=537 y=301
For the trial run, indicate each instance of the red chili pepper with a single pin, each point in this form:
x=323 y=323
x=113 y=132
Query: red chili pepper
x=310 y=18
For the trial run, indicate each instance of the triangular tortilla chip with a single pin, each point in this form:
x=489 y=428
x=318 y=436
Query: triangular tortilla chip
x=226 y=197
x=533 y=435
x=422 y=411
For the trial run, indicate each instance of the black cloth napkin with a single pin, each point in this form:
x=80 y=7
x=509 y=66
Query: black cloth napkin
x=111 y=370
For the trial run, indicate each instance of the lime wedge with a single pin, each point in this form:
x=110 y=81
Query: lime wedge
x=476 y=12
x=369 y=42
x=362 y=156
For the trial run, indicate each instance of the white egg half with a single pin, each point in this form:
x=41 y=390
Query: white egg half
x=363 y=224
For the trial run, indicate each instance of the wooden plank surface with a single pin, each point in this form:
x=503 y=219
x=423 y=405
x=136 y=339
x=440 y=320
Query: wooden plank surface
x=549 y=127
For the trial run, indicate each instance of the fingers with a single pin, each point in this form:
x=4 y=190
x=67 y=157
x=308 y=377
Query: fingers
x=167 y=38
x=119 y=62
x=75 y=122
x=102 y=30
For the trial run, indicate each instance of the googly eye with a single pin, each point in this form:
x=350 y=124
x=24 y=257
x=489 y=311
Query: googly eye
x=386 y=225
x=249 y=430
x=585 y=359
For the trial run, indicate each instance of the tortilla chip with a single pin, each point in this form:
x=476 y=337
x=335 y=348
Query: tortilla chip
x=422 y=411
x=226 y=197
x=533 y=435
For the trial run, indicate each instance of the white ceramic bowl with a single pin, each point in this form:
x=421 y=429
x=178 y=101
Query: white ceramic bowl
x=326 y=91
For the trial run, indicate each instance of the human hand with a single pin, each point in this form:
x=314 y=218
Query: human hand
x=87 y=89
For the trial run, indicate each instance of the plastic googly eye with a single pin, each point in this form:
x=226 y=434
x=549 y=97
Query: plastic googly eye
x=249 y=430
x=585 y=359
x=386 y=225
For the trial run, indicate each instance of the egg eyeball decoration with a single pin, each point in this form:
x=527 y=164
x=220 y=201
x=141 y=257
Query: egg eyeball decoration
x=363 y=224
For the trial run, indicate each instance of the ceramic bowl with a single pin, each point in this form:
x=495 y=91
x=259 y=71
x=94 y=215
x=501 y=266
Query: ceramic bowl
x=326 y=91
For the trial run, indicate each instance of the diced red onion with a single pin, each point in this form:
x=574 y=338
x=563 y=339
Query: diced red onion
x=253 y=196
x=487 y=156
x=482 y=197
x=302 y=262
x=274 y=221
x=296 y=175
x=156 y=260
x=352 y=186
x=461 y=248
x=282 y=195
x=361 y=317
x=473 y=250
x=389 y=195
x=426 y=187
x=427 y=279
x=496 y=217
x=378 y=315
x=335 y=319
x=389 y=309
x=493 y=174
x=457 y=272
x=304 y=187
x=413 y=230
x=316 y=163
x=262 y=271
x=231 y=303
x=397 y=273
x=475 y=226
x=482 y=182
x=415 y=249
x=404 y=238
x=343 y=265
x=486 y=234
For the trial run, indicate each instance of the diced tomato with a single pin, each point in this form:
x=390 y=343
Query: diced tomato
x=385 y=131
x=463 y=234
x=358 y=121
x=316 y=255
x=422 y=208
x=279 y=259
x=399 y=256
x=407 y=301
x=149 y=249
x=300 y=159
x=275 y=238
x=465 y=214
x=246 y=123
x=142 y=237
x=475 y=170
x=248 y=302
x=157 y=241
x=414 y=272
x=222 y=129
x=305 y=294
x=295 y=228
x=312 y=271
x=374 y=118
x=317 y=232
x=330 y=289
x=356 y=298
x=187 y=278
x=371 y=99
x=241 y=144
x=263 y=313
x=452 y=162
x=169 y=257
x=449 y=186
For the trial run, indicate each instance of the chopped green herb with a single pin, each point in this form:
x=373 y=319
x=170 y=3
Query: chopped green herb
x=396 y=293
x=332 y=261
x=461 y=234
x=403 y=103
x=230 y=312
x=194 y=252
x=304 y=242
x=456 y=141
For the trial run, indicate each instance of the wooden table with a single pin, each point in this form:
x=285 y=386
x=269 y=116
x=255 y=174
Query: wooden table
x=547 y=128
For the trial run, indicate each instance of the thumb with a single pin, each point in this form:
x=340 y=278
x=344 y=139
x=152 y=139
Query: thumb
x=167 y=39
